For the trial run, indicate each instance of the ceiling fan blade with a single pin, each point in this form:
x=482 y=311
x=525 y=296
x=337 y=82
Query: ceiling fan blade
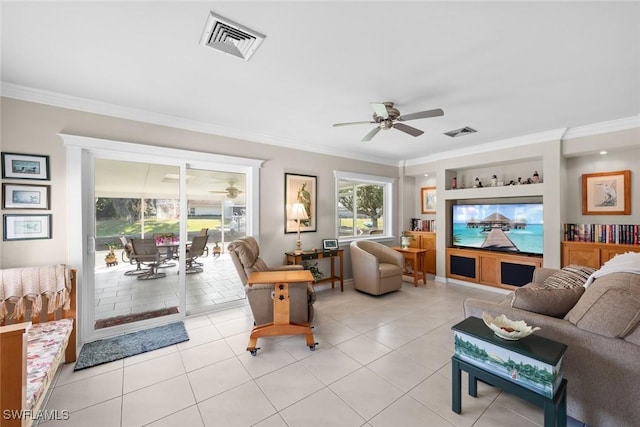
x=353 y=123
x=380 y=109
x=422 y=115
x=371 y=134
x=408 y=129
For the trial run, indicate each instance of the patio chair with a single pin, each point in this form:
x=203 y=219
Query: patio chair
x=147 y=253
x=195 y=250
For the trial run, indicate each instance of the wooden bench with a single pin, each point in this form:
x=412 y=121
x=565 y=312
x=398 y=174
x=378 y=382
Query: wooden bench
x=37 y=334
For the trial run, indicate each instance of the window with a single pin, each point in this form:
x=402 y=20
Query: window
x=363 y=205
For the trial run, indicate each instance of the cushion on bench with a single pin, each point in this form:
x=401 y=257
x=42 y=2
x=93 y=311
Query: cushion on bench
x=46 y=344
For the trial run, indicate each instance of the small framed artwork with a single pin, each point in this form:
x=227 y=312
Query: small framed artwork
x=25 y=166
x=606 y=193
x=27 y=227
x=21 y=196
x=428 y=198
x=329 y=244
x=300 y=194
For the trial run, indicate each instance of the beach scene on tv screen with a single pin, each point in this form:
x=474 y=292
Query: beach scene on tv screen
x=502 y=227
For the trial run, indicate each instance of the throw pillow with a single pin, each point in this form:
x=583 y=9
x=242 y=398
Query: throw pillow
x=570 y=276
x=554 y=302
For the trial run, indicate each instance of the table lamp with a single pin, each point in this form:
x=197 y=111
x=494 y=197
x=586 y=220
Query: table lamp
x=298 y=213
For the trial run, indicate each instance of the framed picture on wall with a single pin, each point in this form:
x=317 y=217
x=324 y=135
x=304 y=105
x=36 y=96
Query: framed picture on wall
x=25 y=166
x=27 y=227
x=300 y=195
x=606 y=193
x=428 y=200
x=21 y=196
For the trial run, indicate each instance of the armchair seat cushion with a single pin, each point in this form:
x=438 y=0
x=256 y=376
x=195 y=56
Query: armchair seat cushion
x=389 y=270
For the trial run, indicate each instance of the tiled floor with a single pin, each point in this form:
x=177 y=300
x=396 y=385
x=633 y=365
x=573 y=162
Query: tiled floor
x=381 y=361
x=117 y=294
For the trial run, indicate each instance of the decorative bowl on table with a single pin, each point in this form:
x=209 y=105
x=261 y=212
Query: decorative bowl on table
x=508 y=329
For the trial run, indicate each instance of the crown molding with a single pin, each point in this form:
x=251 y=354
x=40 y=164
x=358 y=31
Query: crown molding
x=603 y=127
x=553 y=135
x=40 y=96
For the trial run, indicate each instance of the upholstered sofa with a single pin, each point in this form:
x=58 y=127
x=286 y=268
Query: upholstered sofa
x=600 y=326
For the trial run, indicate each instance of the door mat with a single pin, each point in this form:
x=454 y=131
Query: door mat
x=129 y=318
x=116 y=348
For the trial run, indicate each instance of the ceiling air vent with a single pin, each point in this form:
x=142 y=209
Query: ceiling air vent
x=460 y=132
x=229 y=37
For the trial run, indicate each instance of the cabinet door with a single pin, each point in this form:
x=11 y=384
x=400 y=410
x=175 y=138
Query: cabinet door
x=606 y=253
x=428 y=241
x=489 y=270
x=581 y=255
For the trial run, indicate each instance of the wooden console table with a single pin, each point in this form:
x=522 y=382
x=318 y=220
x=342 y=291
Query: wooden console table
x=418 y=265
x=281 y=324
x=296 y=259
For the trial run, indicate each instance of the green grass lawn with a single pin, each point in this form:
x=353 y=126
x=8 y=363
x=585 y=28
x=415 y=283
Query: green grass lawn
x=117 y=227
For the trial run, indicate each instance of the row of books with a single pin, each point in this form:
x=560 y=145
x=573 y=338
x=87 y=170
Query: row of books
x=423 y=225
x=624 y=234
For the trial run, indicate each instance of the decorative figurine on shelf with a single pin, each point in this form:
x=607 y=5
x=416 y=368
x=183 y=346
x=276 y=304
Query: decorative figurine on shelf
x=519 y=180
x=494 y=180
x=536 y=178
x=454 y=183
x=477 y=183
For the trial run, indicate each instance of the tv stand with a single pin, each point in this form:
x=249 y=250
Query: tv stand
x=493 y=268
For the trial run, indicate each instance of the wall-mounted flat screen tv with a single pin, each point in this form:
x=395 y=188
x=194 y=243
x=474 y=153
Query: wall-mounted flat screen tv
x=507 y=227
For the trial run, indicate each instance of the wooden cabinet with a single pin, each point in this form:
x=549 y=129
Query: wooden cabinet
x=499 y=269
x=425 y=240
x=592 y=254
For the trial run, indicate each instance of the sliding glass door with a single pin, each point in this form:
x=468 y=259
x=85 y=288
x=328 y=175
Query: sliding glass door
x=136 y=203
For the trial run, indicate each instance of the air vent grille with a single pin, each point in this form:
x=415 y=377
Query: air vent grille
x=230 y=37
x=460 y=132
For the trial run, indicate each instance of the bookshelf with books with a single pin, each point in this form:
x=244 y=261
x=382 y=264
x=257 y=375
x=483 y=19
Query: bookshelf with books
x=595 y=244
x=624 y=234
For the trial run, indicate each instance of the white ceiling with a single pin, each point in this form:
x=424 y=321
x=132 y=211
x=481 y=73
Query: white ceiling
x=507 y=69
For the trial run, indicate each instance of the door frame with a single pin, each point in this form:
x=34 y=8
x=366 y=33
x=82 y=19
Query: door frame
x=80 y=154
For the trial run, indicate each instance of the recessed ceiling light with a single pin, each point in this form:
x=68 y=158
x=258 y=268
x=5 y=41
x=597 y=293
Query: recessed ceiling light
x=426 y=174
x=603 y=152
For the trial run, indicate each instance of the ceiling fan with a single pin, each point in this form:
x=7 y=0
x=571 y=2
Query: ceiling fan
x=385 y=116
x=231 y=191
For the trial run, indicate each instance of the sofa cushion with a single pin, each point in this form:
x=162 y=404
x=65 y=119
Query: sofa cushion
x=552 y=302
x=610 y=306
x=570 y=276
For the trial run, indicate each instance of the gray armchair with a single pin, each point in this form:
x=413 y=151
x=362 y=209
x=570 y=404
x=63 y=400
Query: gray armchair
x=245 y=255
x=377 y=269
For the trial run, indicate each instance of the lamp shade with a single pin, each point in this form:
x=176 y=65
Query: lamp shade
x=298 y=212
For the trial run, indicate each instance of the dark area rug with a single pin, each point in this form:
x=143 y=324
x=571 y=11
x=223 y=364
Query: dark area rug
x=116 y=348
x=129 y=318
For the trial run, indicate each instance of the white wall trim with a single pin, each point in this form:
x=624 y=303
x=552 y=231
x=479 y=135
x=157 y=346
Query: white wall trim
x=11 y=90
x=553 y=135
x=603 y=127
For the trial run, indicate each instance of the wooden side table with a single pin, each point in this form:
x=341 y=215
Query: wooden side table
x=530 y=368
x=418 y=265
x=296 y=259
x=281 y=324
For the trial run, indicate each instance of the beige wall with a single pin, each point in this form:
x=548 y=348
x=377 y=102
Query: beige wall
x=33 y=128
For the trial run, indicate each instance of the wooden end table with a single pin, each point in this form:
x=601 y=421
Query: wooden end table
x=418 y=264
x=297 y=259
x=281 y=324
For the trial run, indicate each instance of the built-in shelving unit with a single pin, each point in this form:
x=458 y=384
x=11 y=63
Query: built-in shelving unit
x=592 y=254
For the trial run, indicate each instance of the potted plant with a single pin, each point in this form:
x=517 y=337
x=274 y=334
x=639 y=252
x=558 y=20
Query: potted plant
x=405 y=239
